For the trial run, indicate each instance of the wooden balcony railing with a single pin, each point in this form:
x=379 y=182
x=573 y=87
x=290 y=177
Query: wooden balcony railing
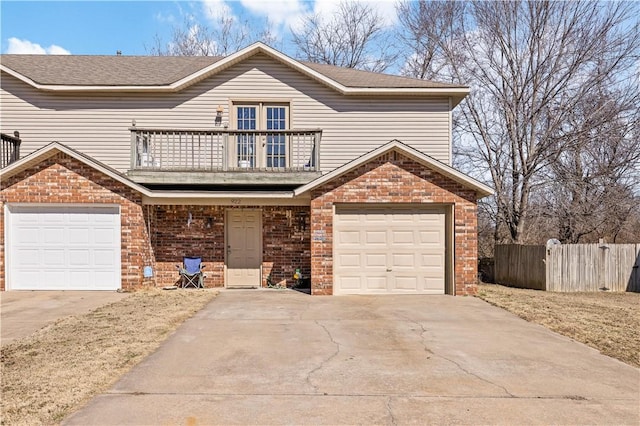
x=225 y=150
x=10 y=149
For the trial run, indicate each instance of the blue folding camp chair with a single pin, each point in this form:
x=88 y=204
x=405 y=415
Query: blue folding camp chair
x=191 y=273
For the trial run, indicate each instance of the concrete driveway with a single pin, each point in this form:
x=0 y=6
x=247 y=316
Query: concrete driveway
x=281 y=357
x=24 y=312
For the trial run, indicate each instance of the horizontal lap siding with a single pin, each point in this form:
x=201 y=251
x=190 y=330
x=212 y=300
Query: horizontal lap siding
x=98 y=124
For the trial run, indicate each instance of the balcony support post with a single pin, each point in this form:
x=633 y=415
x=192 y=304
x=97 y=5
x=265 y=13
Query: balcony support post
x=134 y=147
x=316 y=150
x=225 y=151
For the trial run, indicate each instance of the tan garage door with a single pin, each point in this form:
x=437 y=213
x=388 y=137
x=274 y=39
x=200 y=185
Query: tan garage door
x=389 y=250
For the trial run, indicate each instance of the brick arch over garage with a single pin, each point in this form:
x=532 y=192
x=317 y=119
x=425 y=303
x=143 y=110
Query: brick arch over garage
x=394 y=178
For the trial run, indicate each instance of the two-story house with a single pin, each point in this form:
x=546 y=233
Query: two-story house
x=258 y=163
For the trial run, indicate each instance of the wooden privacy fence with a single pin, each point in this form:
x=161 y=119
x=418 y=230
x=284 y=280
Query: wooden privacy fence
x=571 y=267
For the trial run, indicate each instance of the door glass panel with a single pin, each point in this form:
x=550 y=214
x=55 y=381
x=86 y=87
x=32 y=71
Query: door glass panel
x=276 y=143
x=246 y=142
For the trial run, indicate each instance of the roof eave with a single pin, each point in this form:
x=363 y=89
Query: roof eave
x=457 y=94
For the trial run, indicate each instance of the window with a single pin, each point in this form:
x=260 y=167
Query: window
x=246 y=142
x=261 y=148
x=276 y=143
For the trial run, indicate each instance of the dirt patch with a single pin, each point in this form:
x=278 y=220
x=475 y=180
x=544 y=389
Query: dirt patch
x=605 y=321
x=51 y=373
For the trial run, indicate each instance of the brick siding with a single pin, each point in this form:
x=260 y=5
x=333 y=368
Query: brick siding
x=159 y=236
x=394 y=178
x=64 y=180
x=285 y=241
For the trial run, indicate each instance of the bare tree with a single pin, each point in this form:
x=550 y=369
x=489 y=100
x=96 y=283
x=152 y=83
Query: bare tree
x=593 y=178
x=353 y=37
x=423 y=28
x=530 y=64
x=226 y=36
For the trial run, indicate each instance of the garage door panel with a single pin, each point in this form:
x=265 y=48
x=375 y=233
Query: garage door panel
x=52 y=257
x=52 y=279
x=103 y=219
x=63 y=247
x=350 y=282
x=105 y=258
x=80 y=258
x=104 y=236
x=400 y=250
x=27 y=275
x=406 y=283
x=52 y=218
x=372 y=218
x=378 y=237
x=375 y=260
x=27 y=235
x=349 y=260
x=435 y=261
x=404 y=237
x=433 y=285
x=26 y=219
x=79 y=236
x=79 y=278
x=349 y=237
x=375 y=282
x=52 y=236
x=433 y=238
x=406 y=260
x=26 y=257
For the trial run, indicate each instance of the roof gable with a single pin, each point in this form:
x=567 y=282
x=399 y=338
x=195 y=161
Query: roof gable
x=481 y=189
x=171 y=74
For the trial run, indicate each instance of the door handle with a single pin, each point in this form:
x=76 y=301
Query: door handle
x=389 y=269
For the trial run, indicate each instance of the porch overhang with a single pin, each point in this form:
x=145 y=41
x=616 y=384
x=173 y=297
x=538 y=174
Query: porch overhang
x=157 y=197
x=256 y=178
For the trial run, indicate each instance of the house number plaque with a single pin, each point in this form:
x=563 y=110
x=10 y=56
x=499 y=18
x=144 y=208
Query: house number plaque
x=319 y=235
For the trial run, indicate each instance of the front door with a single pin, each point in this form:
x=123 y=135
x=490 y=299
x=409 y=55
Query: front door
x=243 y=248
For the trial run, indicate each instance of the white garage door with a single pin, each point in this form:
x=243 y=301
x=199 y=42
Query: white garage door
x=389 y=250
x=63 y=248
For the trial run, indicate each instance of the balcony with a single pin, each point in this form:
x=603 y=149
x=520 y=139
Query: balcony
x=243 y=157
x=9 y=149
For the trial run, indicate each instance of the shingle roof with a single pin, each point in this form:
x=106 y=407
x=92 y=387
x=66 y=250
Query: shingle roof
x=357 y=78
x=83 y=70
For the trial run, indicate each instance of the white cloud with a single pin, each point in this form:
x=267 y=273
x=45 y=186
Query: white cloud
x=278 y=12
x=25 y=47
x=57 y=50
x=214 y=10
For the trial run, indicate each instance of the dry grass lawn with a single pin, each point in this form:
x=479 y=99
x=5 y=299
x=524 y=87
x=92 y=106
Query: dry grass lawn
x=53 y=372
x=605 y=321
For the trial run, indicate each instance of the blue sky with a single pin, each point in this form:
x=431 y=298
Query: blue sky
x=104 y=27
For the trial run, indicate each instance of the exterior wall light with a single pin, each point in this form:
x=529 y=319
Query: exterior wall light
x=219 y=111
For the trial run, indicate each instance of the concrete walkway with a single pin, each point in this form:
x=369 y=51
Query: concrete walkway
x=24 y=312
x=282 y=357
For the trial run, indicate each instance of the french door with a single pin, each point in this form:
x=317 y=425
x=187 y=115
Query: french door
x=261 y=149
